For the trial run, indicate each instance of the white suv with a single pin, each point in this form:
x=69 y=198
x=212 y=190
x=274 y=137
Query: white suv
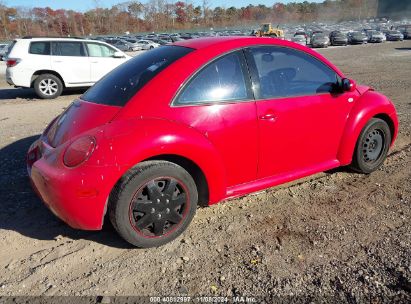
x=51 y=64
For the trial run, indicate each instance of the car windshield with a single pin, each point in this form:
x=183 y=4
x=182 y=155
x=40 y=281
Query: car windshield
x=117 y=87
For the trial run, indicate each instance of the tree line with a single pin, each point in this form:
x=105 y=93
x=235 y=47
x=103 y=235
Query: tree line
x=163 y=15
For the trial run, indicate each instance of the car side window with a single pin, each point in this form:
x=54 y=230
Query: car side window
x=221 y=80
x=40 y=48
x=99 y=50
x=68 y=48
x=284 y=72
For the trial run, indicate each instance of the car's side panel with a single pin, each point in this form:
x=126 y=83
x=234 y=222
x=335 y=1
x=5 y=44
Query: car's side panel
x=74 y=70
x=369 y=105
x=136 y=140
x=232 y=129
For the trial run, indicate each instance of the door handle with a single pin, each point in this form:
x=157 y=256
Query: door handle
x=269 y=117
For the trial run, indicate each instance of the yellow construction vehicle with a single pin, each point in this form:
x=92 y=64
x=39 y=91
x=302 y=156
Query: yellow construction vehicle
x=267 y=30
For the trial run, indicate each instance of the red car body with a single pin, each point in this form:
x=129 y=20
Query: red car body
x=237 y=148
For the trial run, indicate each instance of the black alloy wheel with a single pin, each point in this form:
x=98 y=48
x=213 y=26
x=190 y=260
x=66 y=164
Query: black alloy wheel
x=153 y=203
x=159 y=207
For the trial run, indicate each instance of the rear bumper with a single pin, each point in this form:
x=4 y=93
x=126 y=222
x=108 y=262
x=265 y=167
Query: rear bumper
x=78 y=197
x=9 y=77
x=19 y=76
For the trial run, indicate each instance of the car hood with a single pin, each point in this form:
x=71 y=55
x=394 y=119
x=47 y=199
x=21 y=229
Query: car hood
x=79 y=117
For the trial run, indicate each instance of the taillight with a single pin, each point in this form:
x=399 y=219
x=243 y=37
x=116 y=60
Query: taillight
x=79 y=151
x=11 y=62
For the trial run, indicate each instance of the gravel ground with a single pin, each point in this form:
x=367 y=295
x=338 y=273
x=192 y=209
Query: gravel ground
x=336 y=236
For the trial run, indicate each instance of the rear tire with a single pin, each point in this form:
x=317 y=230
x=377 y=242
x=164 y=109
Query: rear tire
x=48 y=86
x=153 y=203
x=372 y=146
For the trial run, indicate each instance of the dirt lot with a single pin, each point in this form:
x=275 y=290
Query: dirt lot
x=339 y=233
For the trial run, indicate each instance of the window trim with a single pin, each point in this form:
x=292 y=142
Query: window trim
x=244 y=69
x=256 y=79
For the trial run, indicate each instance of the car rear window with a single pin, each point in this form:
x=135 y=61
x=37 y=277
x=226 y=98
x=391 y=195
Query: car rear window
x=118 y=86
x=40 y=48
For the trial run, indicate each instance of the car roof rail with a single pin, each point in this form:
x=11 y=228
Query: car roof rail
x=60 y=37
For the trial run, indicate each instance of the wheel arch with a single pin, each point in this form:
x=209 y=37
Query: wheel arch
x=370 y=105
x=390 y=123
x=193 y=169
x=41 y=72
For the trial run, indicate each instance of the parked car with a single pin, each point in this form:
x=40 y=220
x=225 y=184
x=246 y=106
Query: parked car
x=394 y=36
x=49 y=65
x=134 y=44
x=126 y=46
x=300 y=39
x=320 y=40
x=149 y=150
x=147 y=44
x=338 y=38
x=159 y=41
x=375 y=36
x=121 y=45
x=357 y=38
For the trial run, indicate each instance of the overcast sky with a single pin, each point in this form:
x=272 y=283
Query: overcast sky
x=84 y=5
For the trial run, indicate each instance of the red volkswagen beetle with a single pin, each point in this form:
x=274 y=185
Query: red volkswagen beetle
x=198 y=122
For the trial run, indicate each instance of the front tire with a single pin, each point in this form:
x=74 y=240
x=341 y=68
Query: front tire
x=48 y=86
x=372 y=146
x=153 y=203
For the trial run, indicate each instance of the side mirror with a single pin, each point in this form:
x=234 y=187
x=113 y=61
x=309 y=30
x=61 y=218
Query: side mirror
x=348 y=85
x=118 y=55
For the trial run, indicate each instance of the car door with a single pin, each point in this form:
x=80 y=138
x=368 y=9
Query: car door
x=69 y=59
x=102 y=59
x=218 y=102
x=300 y=114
